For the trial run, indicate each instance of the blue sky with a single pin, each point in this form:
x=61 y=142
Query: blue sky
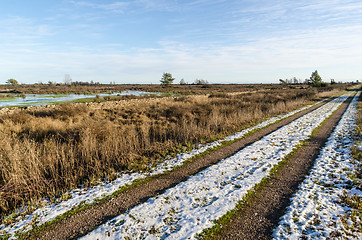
x=135 y=41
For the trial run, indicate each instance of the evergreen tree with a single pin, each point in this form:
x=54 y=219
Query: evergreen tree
x=12 y=82
x=167 y=79
x=315 y=80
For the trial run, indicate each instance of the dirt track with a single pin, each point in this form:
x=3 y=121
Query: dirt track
x=85 y=221
x=258 y=219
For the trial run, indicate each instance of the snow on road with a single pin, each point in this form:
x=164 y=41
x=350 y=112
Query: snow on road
x=193 y=205
x=50 y=211
x=316 y=210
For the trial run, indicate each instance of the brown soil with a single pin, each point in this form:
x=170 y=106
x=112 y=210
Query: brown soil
x=258 y=219
x=85 y=221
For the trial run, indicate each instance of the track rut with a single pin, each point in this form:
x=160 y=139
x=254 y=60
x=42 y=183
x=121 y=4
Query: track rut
x=261 y=215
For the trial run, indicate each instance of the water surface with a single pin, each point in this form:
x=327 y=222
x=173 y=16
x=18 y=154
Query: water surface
x=45 y=99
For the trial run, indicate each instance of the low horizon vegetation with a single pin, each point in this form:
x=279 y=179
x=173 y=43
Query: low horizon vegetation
x=199 y=87
x=47 y=151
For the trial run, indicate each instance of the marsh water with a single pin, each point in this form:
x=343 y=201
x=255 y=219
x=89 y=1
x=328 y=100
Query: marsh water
x=45 y=99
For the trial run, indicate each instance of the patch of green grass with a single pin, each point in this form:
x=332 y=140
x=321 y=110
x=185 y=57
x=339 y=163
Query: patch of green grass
x=167 y=93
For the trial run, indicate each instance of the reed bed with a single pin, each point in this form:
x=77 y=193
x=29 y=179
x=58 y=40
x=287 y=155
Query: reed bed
x=47 y=150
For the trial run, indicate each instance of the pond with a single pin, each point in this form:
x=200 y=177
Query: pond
x=45 y=99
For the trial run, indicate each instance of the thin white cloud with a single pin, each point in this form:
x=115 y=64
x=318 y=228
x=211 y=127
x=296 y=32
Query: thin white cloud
x=229 y=51
x=118 y=7
x=20 y=28
x=130 y=6
x=204 y=2
x=326 y=50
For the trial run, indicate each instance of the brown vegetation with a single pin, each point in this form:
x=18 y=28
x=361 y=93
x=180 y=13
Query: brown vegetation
x=46 y=151
x=97 y=88
x=178 y=89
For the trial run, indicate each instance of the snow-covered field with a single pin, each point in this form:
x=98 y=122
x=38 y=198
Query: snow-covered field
x=50 y=211
x=317 y=210
x=193 y=205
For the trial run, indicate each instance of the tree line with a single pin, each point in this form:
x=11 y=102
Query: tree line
x=315 y=80
x=167 y=80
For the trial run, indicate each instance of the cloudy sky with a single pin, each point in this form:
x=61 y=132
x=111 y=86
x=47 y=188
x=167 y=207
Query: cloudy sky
x=222 y=41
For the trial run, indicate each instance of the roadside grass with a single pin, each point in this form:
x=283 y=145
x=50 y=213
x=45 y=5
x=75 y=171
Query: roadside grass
x=254 y=193
x=48 y=151
x=352 y=220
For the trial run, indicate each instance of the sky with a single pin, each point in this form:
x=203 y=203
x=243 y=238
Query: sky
x=221 y=41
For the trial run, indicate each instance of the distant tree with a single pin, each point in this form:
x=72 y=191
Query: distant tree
x=332 y=81
x=315 y=80
x=282 y=81
x=182 y=82
x=287 y=81
x=200 y=82
x=167 y=79
x=67 y=79
x=12 y=82
x=295 y=80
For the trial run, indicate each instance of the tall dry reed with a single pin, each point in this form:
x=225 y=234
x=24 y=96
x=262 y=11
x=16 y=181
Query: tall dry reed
x=46 y=151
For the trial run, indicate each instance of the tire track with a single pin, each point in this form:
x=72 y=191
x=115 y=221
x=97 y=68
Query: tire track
x=261 y=215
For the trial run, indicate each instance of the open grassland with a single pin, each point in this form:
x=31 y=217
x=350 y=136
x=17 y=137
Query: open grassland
x=47 y=150
x=176 y=89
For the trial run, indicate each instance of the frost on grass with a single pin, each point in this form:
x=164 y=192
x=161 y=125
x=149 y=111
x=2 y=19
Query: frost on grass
x=191 y=206
x=23 y=222
x=321 y=209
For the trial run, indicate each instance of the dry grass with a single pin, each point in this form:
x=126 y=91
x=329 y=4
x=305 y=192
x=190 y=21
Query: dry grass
x=47 y=150
x=180 y=89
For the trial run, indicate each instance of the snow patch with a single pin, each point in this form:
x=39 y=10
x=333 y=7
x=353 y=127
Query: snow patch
x=316 y=211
